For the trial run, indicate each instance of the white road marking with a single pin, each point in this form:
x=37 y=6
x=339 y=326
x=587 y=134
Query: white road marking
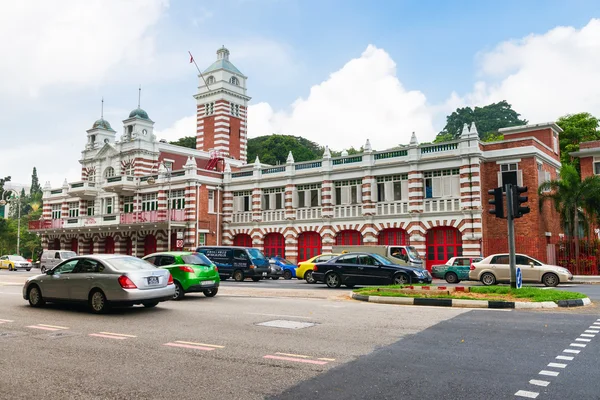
x=279 y=315
x=539 y=383
x=578 y=345
x=54 y=326
x=557 y=365
x=583 y=340
x=587 y=335
x=568 y=358
x=571 y=351
x=547 y=288
x=525 y=393
x=549 y=373
x=117 y=334
x=6 y=320
x=591 y=331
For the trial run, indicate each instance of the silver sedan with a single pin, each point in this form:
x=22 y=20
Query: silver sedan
x=101 y=281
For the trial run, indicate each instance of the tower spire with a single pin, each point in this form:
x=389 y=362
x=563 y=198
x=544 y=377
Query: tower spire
x=102 y=109
x=139 y=95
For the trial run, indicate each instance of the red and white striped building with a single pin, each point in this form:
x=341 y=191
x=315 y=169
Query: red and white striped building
x=431 y=196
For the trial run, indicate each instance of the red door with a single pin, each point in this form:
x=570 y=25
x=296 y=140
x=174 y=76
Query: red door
x=393 y=237
x=443 y=243
x=348 y=238
x=274 y=245
x=309 y=245
x=109 y=245
x=74 y=245
x=128 y=246
x=91 y=246
x=149 y=244
x=243 y=240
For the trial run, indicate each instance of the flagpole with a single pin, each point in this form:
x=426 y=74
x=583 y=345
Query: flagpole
x=202 y=76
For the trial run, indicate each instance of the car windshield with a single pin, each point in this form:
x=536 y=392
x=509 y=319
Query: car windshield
x=68 y=254
x=413 y=253
x=196 y=259
x=129 y=264
x=256 y=254
x=16 y=258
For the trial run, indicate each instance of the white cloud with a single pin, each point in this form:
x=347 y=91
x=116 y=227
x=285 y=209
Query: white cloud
x=72 y=42
x=364 y=99
x=543 y=76
x=186 y=126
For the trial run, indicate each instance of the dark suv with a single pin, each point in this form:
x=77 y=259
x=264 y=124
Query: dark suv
x=237 y=262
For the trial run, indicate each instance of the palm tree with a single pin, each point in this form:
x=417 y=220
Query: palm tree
x=577 y=201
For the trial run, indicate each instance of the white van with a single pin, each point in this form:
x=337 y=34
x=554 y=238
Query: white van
x=51 y=258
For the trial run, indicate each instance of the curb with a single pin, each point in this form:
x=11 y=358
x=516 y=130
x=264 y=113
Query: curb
x=417 y=301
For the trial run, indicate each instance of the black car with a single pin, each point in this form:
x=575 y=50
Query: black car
x=366 y=269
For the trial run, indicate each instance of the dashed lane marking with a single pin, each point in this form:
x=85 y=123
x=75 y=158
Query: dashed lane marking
x=571 y=351
x=557 y=365
x=118 y=334
x=567 y=358
x=107 y=336
x=47 y=327
x=592 y=331
x=54 y=326
x=539 y=383
x=587 y=335
x=4 y=321
x=189 y=346
x=326 y=359
x=548 y=373
x=583 y=340
x=300 y=360
x=292 y=355
x=578 y=345
x=216 y=346
x=525 y=393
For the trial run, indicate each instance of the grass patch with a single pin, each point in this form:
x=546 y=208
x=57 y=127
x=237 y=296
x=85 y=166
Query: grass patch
x=493 y=293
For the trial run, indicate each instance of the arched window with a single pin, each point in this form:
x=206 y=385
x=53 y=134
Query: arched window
x=91 y=177
x=109 y=172
x=210 y=80
x=234 y=81
x=128 y=169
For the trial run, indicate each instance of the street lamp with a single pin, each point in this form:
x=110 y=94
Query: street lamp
x=3 y=202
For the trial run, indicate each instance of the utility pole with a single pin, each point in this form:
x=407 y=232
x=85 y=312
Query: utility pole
x=512 y=258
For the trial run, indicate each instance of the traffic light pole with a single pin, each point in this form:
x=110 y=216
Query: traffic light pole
x=510 y=217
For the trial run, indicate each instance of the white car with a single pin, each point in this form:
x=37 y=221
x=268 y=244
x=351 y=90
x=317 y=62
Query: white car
x=496 y=269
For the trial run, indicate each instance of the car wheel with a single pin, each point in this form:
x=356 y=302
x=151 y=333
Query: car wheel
x=150 y=304
x=97 y=302
x=28 y=269
x=333 y=280
x=43 y=269
x=287 y=274
x=488 y=279
x=35 y=297
x=211 y=292
x=274 y=278
x=451 y=277
x=255 y=279
x=401 y=279
x=179 y=292
x=308 y=277
x=10 y=268
x=238 y=276
x=550 y=279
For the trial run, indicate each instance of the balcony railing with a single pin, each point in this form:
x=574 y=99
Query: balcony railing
x=346 y=211
x=309 y=213
x=394 y=208
x=140 y=217
x=273 y=215
x=441 y=205
x=242 y=217
x=45 y=224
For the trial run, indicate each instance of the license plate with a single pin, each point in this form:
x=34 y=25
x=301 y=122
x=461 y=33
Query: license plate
x=153 y=280
x=264 y=274
x=207 y=283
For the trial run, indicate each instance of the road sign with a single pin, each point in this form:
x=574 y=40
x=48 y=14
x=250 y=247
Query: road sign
x=179 y=235
x=179 y=243
x=519 y=278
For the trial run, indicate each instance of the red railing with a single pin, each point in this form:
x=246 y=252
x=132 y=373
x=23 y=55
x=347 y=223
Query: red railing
x=151 y=216
x=45 y=224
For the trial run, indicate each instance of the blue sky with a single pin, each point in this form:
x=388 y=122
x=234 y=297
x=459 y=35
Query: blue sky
x=434 y=55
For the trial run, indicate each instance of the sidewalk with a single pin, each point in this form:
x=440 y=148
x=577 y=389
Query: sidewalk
x=586 y=279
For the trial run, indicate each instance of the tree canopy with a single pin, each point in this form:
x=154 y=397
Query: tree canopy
x=187 y=141
x=488 y=119
x=577 y=128
x=274 y=149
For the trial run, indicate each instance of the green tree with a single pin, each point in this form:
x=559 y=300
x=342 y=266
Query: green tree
x=577 y=128
x=577 y=201
x=488 y=119
x=35 y=183
x=274 y=149
x=187 y=141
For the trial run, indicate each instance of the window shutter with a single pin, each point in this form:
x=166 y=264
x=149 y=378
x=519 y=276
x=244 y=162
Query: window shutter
x=295 y=195
x=455 y=186
x=405 y=190
x=359 y=193
x=389 y=191
x=236 y=204
x=345 y=194
x=447 y=187
x=272 y=201
x=307 y=199
x=263 y=202
x=436 y=189
x=520 y=177
x=374 y=192
x=319 y=194
x=500 y=180
x=332 y=195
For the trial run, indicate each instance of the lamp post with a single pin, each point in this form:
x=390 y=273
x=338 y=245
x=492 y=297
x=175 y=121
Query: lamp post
x=3 y=202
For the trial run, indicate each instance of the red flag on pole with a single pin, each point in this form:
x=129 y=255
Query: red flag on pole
x=191 y=58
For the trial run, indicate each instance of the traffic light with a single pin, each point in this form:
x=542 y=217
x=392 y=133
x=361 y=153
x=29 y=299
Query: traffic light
x=498 y=209
x=518 y=209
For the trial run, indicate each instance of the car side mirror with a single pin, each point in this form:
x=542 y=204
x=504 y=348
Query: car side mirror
x=49 y=272
x=531 y=264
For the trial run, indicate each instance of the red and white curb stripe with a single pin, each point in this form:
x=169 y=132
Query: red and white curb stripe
x=4 y=321
x=194 y=345
x=585 y=337
x=110 y=335
x=48 y=327
x=298 y=358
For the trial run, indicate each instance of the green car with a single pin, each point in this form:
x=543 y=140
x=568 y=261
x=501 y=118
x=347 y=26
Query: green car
x=455 y=270
x=191 y=272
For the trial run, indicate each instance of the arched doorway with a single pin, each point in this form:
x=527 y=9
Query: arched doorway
x=91 y=246
x=348 y=238
x=243 y=240
x=128 y=245
x=74 y=245
x=443 y=243
x=393 y=237
x=109 y=245
x=149 y=244
x=309 y=245
x=274 y=245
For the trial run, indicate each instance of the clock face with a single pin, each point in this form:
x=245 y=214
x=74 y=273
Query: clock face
x=144 y=131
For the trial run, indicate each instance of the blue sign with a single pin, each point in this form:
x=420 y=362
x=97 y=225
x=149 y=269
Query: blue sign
x=519 y=278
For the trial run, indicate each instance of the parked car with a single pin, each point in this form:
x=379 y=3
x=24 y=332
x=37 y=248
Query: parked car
x=353 y=269
x=496 y=269
x=275 y=270
x=403 y=255
x=455 y=270
x=101 y=281
x=191 y=272
x=237 y=262
x=13 y=263
x=305 y=268
x=288 y=267
x=51 y=258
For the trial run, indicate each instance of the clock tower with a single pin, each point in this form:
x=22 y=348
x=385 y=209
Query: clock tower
x=221 y=111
